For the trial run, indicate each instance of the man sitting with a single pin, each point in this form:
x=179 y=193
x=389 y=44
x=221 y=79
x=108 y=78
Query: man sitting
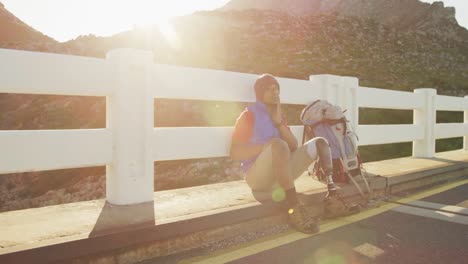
x=269 y=152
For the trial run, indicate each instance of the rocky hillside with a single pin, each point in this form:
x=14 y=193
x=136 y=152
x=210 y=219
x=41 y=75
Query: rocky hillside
x=413 y=15
x=400 y=13
x=15 y=34
x=344 y=37
x=291 y=7
x=356 y=38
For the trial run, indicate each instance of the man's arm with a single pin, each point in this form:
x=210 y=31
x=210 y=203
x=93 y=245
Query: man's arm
x=285 y=132
x=288 y=136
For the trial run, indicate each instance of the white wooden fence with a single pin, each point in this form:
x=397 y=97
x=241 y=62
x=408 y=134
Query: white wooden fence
x=130 y=144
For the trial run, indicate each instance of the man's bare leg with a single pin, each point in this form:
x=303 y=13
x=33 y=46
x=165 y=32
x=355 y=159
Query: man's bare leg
x=281 y=158
x=273 y=168
x=309 y=152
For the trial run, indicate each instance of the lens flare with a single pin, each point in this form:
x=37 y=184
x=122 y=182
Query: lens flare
x=325 y=256
x=220 y=113
x=278 y=194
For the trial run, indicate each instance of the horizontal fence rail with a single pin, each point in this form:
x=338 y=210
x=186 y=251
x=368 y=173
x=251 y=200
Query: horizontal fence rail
x=174 y=82
x=196 y=142
x=387 y=99
x=130 y=144
x=191 y=142
x=43 y=73
x=450 y=130
x=378 y=134
x=450 y=103
x=35 y=150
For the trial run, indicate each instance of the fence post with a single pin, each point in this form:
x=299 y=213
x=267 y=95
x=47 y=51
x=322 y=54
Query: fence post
x=425 y=117
x=465 y=118
x=329 y=86
x=130 y=117
x=341 y=91
x=347 y=99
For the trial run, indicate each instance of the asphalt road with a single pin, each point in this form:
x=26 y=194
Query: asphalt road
x=430 y=227
x=405 y=234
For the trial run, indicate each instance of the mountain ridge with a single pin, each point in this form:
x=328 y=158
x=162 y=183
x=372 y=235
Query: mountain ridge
x=15 y=30
x=359 y=8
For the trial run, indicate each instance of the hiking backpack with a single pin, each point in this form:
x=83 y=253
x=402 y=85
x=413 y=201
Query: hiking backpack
x=322 y=119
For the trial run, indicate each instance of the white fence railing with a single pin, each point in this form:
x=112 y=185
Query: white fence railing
x=130 y=144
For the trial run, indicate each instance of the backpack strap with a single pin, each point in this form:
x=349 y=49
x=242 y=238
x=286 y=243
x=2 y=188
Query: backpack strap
x=304 y=133
x=307 y=108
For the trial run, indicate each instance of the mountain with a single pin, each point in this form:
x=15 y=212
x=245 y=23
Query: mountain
x=388 y=12
x=15 y=34
x=400 y=14
x=397 y=44
x=400 y=45
x=291 y=7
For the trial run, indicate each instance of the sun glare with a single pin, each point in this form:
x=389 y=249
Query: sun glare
x=148 y=13
x=143 y=14
x=167 y=31
x=67 y=19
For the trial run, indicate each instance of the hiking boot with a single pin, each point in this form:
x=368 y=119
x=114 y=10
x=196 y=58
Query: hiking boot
x=334 y=207
x=301 y=220
x=355 y=208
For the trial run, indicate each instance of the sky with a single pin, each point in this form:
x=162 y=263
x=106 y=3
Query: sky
x=66 y=19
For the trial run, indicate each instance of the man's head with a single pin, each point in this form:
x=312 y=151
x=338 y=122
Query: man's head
x=267 y=89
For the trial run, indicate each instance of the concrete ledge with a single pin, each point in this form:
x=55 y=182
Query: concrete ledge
x=61 y=232
x=183 y=219
x=404 y=174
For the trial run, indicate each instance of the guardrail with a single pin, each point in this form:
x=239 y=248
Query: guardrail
x=130 y=144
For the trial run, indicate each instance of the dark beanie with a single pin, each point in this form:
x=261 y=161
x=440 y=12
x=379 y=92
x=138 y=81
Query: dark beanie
x=262 y=83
